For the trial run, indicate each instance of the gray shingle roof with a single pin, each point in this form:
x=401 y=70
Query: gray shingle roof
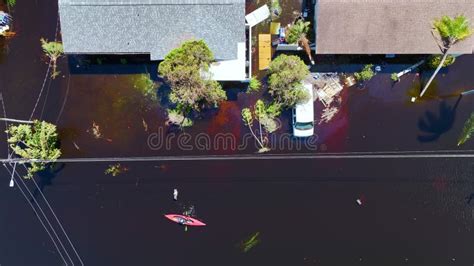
x=385 y=26
x=151 y=26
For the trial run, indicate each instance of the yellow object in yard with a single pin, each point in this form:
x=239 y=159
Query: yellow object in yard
x=275 y=28
x=264 y=51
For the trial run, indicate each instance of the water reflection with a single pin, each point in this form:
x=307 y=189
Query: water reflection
x=434 y=126
x=46 y=177
x=470 y=198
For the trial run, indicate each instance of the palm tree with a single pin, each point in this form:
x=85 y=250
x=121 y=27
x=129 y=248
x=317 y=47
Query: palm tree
x=296 y=33
x=451 y=31
x=53 y=50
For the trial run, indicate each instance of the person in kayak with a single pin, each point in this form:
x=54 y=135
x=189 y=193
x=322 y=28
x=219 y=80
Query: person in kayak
x=175 y=194
x=183 y=221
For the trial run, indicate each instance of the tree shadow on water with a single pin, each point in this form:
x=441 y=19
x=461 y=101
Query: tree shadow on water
x=434 y=126
x=46 y=177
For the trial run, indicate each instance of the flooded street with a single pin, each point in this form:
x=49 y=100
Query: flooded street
x=305 y=211
x=413 y=211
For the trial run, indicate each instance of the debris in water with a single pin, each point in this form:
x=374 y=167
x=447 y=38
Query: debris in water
x=250 y=242
x=359 y=202
x=162 y=167
x=328 y=114
x=76 y=146
x=145 y=125
x=329 y=87
x=175 y=194
x=115 y=169
x=95 y=130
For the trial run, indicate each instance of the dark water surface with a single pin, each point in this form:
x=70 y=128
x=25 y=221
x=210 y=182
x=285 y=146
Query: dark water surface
x=305 y=211
x=414 y=211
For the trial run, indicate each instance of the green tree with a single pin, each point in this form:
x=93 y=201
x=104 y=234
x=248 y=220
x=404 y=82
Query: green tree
x=185 y=69
x=285 y=83
x=34 y=141
x=451 y=31
x=467 y=131
x=53 y=50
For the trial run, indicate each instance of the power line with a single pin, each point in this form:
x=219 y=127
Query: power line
x=287 y=156
x=44 y=82
x=38 y=216
x=47 y=74
x=46 y=218
x=50 y=80
x=41 y=91
x=57 y=220
x=45 y=99
x=65 y=100
x=6 y=122
x=26 y=187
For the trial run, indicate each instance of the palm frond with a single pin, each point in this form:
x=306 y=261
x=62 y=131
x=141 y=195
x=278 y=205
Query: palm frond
x=467 y=131
x=456 y=28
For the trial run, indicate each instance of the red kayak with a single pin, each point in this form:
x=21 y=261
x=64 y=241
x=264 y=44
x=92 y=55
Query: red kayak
x=184 y=220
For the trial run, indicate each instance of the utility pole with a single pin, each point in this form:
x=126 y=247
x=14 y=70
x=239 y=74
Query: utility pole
x=12 y=183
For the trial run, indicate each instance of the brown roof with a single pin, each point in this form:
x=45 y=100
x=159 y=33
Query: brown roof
x=385 y=26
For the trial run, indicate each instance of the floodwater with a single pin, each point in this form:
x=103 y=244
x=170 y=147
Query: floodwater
x=414 y=211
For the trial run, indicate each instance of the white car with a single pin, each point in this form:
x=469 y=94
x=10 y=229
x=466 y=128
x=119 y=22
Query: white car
x=303 y=115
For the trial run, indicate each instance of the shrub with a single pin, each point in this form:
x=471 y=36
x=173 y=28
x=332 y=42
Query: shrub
x=434 y=60
x=275 y=9
x=177 y=118
x=11 y=3
x=394 y=77
x=254 y=85
x=146 y=86
x=366 y=74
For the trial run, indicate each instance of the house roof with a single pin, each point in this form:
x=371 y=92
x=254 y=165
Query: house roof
x=385 y=26
x=151 y=26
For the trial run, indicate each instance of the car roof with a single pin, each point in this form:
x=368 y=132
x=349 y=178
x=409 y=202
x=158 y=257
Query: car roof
x=305 y=111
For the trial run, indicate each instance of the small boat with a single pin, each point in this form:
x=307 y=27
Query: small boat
x=184 y=220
